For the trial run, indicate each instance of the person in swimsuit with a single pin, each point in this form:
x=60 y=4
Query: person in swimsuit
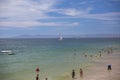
x=81 y=73
x=73 y=74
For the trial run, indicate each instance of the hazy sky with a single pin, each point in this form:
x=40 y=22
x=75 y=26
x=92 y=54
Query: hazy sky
x=53 y=17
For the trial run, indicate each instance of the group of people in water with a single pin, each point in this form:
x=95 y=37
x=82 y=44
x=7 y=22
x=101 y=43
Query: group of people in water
x=109 y=67
x=100 y=52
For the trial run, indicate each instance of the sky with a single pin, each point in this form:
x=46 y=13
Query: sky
x=54 y=17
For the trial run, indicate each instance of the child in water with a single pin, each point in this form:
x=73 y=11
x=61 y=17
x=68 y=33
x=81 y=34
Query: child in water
x=81 y=73
x=73 y=74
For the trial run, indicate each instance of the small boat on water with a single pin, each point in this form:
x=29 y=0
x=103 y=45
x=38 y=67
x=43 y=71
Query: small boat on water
x=9 y=52
x=61 y=38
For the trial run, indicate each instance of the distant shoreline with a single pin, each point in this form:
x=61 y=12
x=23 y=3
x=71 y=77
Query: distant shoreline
x=69 y=38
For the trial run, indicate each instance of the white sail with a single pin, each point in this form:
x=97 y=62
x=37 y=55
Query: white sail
x=61 y=38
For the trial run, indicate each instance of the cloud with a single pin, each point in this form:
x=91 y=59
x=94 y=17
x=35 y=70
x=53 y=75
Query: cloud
x=29 y=24
x=86 y=13
x=25 y=9
x=104 y=16
x=69 y=12
x=26 y=13
x=74 y=12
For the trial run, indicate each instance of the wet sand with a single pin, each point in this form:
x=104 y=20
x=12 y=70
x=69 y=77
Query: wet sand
x=99 y=70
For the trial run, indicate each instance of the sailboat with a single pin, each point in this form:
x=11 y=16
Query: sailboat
x=61 y=38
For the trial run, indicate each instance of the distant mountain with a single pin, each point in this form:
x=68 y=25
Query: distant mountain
x=101 y=36
x=71 y=36
x=36 y=36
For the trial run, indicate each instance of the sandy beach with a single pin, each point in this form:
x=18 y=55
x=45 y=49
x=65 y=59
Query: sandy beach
x=99 y=70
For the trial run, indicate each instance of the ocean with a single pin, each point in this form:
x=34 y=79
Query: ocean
x=56 y=59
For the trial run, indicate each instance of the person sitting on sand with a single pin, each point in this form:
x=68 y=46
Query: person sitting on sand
x=73 y=74
x=81 y=73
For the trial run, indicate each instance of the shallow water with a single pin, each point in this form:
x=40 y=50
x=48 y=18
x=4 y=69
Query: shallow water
x=55 y=58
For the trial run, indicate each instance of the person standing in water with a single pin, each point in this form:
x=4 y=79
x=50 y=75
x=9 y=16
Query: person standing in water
x=37 y=70
x=109 y=67
x=108 y=52
x=73 y=74
x=81 y=73
x=46 y=78
x=37 y=77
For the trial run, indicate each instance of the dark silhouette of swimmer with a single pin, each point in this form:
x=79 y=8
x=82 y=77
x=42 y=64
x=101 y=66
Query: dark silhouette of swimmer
x=46 y=78
x=85 y=55
x=37 y=77
x=91 y=55
x=73 y=74
x=109 y=67
x=100 y=55
x=108 y=52
x=81 y=73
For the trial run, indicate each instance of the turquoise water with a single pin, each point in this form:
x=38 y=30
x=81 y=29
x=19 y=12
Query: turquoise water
x=55 y=58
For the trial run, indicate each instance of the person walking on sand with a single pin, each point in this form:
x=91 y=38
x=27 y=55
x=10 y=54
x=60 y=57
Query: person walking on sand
x=81 y=73
x=73 y=74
